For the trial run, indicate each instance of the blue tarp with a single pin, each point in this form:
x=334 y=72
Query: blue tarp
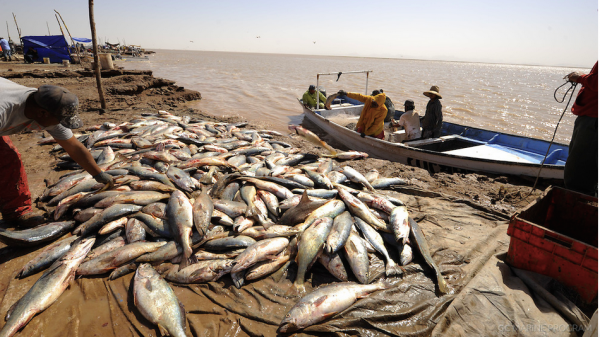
x=54 y=47
x=82 y=40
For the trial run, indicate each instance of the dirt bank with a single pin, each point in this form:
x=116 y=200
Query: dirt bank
x=129 y=93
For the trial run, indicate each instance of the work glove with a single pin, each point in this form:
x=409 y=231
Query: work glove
x=342 y=93
x=362 y=134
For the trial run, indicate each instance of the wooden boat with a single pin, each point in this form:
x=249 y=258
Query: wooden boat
x=459 y=149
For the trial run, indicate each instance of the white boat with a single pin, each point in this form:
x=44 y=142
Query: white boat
x=459 y=149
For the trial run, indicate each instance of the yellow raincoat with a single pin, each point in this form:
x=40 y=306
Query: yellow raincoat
x=371 y=119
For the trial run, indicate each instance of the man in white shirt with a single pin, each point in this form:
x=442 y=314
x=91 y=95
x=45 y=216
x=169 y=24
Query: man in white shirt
x=410 y=121
x=50 y=108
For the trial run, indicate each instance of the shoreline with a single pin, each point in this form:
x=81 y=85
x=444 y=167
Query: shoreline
x=129 y=93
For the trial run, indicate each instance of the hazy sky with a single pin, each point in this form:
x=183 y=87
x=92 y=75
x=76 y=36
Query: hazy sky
x=540 y=32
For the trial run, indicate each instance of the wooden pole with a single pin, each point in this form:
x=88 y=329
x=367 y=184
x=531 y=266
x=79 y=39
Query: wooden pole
x=48 y=28
x=7 y=31
x=59 y=26
x=96 y=57
x=16 y=24
x=72 y=41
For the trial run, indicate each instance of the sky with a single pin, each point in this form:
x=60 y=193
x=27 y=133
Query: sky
x=531 y=32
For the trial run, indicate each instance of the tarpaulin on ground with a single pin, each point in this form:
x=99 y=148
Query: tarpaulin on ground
x=463 y=238
x=54 y=47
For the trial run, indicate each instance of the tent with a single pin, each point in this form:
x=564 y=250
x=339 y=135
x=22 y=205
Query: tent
x=54 y=47
x=83 y=40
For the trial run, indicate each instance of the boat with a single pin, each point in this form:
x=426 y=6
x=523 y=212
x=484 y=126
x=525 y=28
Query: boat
x=460 y=149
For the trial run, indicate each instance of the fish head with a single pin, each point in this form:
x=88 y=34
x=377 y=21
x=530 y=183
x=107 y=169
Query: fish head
x=288 y=325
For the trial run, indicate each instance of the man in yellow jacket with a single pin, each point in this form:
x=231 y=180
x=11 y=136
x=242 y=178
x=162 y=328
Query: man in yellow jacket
x=372 y=116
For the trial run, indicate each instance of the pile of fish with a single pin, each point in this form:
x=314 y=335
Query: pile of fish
x=194 y=201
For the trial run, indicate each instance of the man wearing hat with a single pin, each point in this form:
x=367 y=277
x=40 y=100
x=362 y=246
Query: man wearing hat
x=310 y=98
x=432 y=121
x=50 y=108
x=410 y=121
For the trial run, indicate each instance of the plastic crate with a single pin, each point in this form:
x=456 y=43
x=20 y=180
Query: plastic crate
x=557 y=236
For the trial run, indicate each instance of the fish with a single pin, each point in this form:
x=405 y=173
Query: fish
x=311 y=137
x=373 y=237
x=260 y=251
x=203 y=209
x=417 y=237
x=372 y=175
x=334 y=265
x=356 y=254
x=348 y=155
x=330 y=209
x=113 y=225
x=325 y=302
x=358 y=208
x=340 y=231
x=117 y=257
x=400 y=224
x=46 y=257
x=310 y=245
x=156 y=301
x=109 y=214
x=356 y=177
x=203 y=271
x=134 y=231
x=100 y=249
x=107 y=156
x=37 y=235
x=181 y=178
x=156 y=209
x=47 y=289
x=147 y=185
x=265 y=268
x=180 y=218
x=406 y=255
x=122 y=271
x=382 y=183
x=228 y=243
x=319 y=179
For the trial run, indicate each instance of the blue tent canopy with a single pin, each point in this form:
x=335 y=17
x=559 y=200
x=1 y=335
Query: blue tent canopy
x=54 y=47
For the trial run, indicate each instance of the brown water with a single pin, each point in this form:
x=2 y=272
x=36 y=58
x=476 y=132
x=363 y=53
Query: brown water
x=508 y=98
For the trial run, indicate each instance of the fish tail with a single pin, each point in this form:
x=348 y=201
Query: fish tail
x=370 y=187
x=442 y=283
x=188 y=259
x=393 y=269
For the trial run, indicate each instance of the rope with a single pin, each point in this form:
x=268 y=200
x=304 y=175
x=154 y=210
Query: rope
x=572 y=89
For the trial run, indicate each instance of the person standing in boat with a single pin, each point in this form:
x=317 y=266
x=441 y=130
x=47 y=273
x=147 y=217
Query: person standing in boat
x=410 y=121
x=372 y=116
x=432 y=121
x=310 y=98
x=581 y=168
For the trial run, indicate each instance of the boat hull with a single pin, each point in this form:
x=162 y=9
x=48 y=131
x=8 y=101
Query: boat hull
x=430 y=160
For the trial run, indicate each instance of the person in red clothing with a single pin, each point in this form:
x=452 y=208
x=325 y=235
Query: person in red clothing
x=581 y=168
x=50 y=108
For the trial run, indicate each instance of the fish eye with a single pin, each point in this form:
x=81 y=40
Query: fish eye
x=287 y=315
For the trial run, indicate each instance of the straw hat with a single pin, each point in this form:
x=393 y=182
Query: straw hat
x=435 y=90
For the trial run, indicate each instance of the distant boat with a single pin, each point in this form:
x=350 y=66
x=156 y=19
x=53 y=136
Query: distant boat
x=459 y=149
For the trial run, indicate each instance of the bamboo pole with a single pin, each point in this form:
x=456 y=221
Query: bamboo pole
x=72 y=41
x=7 y=31
x=16 y=24
x=48 y=28
x=59 y=26
x=96 y=58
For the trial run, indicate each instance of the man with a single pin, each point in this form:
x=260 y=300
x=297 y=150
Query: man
x=310 y=98
x=372 y=116
x=31 y=55
x=6 y=51
x=410 y=121
x=432 y=121
x=49 y=108
x=581 y=168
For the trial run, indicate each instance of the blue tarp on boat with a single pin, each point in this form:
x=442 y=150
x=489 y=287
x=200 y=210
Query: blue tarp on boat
x=82 y=40
x=54 y=47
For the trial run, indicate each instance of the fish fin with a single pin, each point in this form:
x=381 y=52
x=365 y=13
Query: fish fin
x=162 y=330
x=271 y=257
x=187 y=261
x=182 y=311
x=148 y=285
x=304 y=198
x=11 y=309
